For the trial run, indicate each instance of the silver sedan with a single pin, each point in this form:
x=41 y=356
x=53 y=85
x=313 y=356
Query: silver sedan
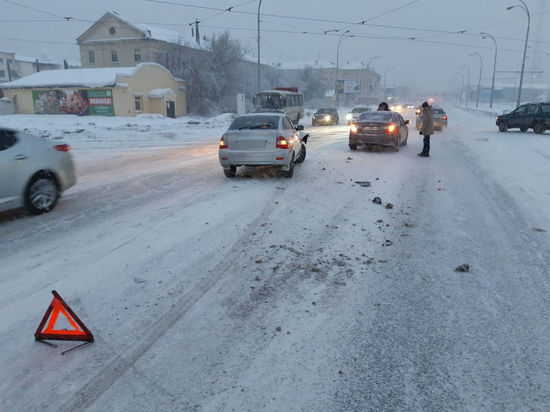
x=33 y=171
x=262 y=139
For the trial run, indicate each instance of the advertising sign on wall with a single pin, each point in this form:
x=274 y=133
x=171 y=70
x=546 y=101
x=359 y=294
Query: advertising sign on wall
x=72 y=101
x=348 y=86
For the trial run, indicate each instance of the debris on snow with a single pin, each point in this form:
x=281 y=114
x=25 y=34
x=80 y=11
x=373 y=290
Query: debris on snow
x=538 y=229
x=463 y=268
x=377 y=200
x=389 y=205
x=139 y=280
x=363 y=183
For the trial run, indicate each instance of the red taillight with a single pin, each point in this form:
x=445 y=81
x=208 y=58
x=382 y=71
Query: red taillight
x=391 y=128
x=62 y=147
x=282 y=143
x=445 y=117
x=223 y=143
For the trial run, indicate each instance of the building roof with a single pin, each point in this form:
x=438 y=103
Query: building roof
x=148 y=32
x=98 y=77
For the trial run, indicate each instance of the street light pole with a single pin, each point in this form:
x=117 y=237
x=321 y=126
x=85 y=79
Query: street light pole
x=461 y=87
x=371 y=59
x=480 y=72
x=487 y=35
x=467 y=85
x=259 y=64
x=526 y=9
x=384 y=88
x=340 y=40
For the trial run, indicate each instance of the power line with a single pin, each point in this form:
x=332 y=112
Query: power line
x=38 y=41
x=37 y=10
x=227 y=10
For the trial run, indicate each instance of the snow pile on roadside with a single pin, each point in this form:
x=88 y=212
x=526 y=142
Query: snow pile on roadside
x=145 y=130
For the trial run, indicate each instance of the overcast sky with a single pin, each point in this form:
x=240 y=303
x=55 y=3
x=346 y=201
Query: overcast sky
x=429 y=61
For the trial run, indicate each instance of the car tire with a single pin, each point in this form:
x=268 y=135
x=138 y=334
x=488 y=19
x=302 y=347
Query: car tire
x=397 y=145
x=353 y=146
x=290 y=172
x=404 y=143
x=538 y=128
x=302 y=155
x=231 y=172
x=502 y=126
x=42 y=193
x=523 y=129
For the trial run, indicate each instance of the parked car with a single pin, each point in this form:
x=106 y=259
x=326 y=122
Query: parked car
x=525 y=117
x=260 y=139
x=353 y=116
x=440 y=119
x=383 y=128
x=33 y=171
x=325 y=117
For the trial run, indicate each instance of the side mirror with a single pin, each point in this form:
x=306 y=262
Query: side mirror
x=300 y=127
x=407 y=122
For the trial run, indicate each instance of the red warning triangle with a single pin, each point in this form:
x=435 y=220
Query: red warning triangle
x=79 y=331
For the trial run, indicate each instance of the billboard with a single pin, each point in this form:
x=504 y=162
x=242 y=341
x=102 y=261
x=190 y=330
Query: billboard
x=82 y=102
x=352 y=86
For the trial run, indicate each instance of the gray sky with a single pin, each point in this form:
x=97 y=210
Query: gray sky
x=429 y=62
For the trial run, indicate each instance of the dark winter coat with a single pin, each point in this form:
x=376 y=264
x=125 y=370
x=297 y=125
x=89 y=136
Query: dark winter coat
x=427 y=121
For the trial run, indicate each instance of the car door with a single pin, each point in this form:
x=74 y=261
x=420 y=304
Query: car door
x=403 y=129
x=531 y=114
x=291 y=135
x=517 y=117
x=13 y=170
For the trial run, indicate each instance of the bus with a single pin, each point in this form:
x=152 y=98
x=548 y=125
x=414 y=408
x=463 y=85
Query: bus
x=286 y=100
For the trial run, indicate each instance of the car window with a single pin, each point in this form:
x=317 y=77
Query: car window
x=545 y=108
x=532 y=109
x=7 y=139
x=439 y=111
x=360 y=110
x=520 y=110
x=287 y=124
x=255 y=122
x=401 y=120
x=381 y=116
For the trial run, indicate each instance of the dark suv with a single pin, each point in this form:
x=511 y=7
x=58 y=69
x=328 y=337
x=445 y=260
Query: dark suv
x=526 y=116
x=325 y=116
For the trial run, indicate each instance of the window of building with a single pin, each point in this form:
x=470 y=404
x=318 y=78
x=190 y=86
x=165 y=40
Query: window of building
x=112 y=31
x=91 y=57
x=2 y=73
x=10 y=61
x=137 y=55
x=114 y=56
x=139 y=103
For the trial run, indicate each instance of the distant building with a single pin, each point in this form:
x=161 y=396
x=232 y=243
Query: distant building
x=120 y=91
x=351 y=82
x=21 y=66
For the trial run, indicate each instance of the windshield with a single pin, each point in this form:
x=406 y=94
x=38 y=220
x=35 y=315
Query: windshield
x=325 y=111
x=269 y=100
x=439 y=111
x=376 y=117
x=255 y=122
x=360 y=110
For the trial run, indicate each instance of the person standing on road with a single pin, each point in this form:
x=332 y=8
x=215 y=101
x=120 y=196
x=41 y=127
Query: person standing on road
x=426 y=128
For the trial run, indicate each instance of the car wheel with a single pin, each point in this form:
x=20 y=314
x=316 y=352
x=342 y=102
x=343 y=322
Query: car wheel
x=524 y=129
x=353 y=146
x=231 y=172
x=42 y=193
x=397 y=145
x=302 y=155
x=404 y=143
x=502 y=126
x=538 y=128
x=290 y=172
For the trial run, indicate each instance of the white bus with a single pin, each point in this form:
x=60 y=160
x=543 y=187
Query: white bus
x=286 y=100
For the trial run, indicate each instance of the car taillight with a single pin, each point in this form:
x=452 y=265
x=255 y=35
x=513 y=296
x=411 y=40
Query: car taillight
x=391 y=128
x=223 y=143
x=282 y=143
x=62 y=147
x=444 y=117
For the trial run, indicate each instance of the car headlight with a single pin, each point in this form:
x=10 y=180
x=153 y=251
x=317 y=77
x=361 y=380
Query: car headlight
x=327 y=118
x=353 y=128
x=348 y=116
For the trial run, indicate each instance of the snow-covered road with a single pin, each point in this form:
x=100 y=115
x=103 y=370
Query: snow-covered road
x=265 y=293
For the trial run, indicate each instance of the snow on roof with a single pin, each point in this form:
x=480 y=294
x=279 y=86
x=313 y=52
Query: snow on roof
x=154 y=32
x=99 y=77
x=162 y=93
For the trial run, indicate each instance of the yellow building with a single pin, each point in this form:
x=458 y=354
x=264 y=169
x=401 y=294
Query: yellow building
x=113 y=91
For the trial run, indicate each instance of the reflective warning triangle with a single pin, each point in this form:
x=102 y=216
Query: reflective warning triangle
x=58 y=306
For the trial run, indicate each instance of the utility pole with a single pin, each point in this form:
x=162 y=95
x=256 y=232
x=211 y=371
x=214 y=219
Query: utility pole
x=9 y=70
x=467 y=85
x=480 y=71
x=259 y=64
x=197 y=34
